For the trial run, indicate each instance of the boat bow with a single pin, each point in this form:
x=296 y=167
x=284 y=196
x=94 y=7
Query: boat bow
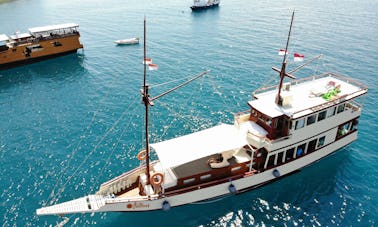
x=90 y=203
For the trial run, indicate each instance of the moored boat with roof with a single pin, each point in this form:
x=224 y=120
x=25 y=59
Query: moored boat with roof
x=38 y=44
x=204 y=4
x=286 y=128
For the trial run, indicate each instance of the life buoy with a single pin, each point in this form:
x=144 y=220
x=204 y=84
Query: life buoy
x=157 y=179
x=142 y=155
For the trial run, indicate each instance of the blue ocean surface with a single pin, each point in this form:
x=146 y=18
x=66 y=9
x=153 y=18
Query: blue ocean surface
x=68 y=124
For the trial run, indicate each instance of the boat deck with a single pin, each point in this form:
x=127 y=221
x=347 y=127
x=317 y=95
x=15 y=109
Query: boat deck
x=199 y=166
x=301 y=95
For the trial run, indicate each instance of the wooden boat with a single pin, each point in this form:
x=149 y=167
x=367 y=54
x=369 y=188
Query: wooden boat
x=286 y=128
x=127 y=41
x=39 y=44
x=204 y=4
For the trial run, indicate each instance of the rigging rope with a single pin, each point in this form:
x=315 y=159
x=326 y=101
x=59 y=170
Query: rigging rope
x=58 y=194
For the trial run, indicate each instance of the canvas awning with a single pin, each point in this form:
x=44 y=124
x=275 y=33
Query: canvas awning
x=52 y=27
x=3 y=37
x=200 y=144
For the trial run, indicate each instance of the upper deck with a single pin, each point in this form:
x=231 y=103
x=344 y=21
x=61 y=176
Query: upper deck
x=54 y=28
x=304 y=96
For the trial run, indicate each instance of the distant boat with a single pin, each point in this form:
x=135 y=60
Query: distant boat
x=127 y=41
x=38 y=44
x=204 y=4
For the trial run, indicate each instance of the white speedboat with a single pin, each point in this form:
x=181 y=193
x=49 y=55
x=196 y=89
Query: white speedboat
x=127 y=41
x=287 y=127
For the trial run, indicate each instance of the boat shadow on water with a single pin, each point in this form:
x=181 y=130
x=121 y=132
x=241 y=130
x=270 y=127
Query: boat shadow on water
x=62 y=68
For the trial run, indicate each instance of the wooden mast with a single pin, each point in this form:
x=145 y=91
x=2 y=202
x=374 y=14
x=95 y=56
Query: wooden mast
x=283 y=67
x=147 y=103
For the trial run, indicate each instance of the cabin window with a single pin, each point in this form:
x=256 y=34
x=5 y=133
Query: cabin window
x=56 y=44
x=188 y=181
x=299 y=124
x=300 y=150
x=322 y=115
x=205 y=177
x=331 y=111
x=289 y=154
x=311 y=146
x=321 y=141
x=343 y=129
x=271 y=160
x=279 y=160
x=269 y=121
x=341 y=108
x=236 y=168
x=354 y=124
x=311 y=119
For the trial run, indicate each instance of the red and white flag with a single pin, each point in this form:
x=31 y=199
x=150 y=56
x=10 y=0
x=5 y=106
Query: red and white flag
x=298 y=57
x=147 y=61
x=282 y=52
x=153 y=66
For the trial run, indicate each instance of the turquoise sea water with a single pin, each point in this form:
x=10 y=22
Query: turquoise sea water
x=71 y=123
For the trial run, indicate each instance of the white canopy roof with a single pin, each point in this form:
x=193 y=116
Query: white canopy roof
x=200 y=144
x=52 y=27
x=3 y=37
x=20 y=36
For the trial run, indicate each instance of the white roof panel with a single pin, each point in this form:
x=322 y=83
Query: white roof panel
x=3 y=37
x=200 y=144
x=306 y=95
x=52 y=27
x=20 y=36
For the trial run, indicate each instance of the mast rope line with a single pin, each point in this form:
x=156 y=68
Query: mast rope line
x=58 y=194
x=52 y=194
x=174 y=113
x=117 y=143
x=183 y=117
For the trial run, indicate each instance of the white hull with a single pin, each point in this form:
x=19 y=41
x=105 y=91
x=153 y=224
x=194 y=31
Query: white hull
x=127 y=41
x=98 y=203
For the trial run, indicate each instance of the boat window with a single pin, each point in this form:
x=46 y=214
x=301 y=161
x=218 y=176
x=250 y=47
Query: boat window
x=269 y=121
x=311 y=146
x=289 y=154
x=236 y=168
x=300 y=150
x=322 y=115
x=271 y=160
x=188 y=181
x=311 y=119
x=341 y=108
x=343 y=129
x=299 y=124
x=279 y=160
x=321 y=141
x=56 y=44
x=204 y=177
x=354 y=124
x=331 y=111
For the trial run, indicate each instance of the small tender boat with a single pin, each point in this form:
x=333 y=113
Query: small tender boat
x=204 y=4
x=127 y=41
